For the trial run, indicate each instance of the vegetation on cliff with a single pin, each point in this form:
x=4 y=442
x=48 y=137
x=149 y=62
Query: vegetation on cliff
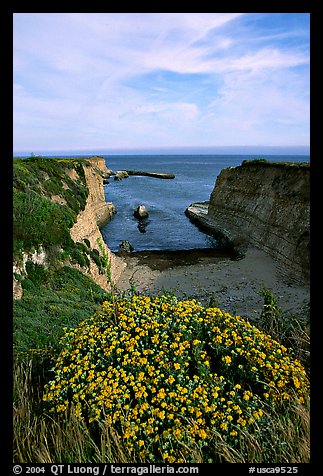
x=270 y=163
x=38 y=219
x=52 y=299
x=46 y=203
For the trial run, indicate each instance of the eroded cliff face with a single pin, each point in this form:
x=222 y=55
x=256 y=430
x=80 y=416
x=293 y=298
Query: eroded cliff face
x=266 y=205
x=97 y=212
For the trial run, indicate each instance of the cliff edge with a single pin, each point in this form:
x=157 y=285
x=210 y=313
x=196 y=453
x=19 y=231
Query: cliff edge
x=265 y=205
x=59 y=205
x=97 y=212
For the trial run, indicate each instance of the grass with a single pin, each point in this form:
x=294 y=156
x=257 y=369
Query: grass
x=52 y=300
x=281 y=164
x=291 y=330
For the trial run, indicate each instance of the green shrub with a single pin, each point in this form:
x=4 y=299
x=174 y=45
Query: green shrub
x=290 y=329
x=87 y=242
x=39 y=221
x=36 y=324
x=37 y=273
x=52 y=187
x=171 y=377
x=79 y=257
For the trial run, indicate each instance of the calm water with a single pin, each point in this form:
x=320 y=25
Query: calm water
x=168 y=228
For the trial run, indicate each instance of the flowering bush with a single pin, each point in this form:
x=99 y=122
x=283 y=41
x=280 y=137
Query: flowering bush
x=169 y=375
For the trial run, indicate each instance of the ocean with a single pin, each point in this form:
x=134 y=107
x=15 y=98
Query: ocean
x=167 y=227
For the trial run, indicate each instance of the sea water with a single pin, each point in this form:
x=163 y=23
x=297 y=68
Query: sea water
x=166 y=200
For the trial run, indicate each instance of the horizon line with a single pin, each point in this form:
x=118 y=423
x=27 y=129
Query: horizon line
x=148 y=149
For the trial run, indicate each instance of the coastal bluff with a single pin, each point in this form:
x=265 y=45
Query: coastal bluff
x=97 y=212
x=265 y=205
x=65 y=204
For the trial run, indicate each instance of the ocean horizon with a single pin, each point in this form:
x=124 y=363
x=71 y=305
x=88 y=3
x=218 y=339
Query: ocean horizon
x=205 y=150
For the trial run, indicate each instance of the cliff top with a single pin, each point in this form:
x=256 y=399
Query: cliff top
x=286 y=165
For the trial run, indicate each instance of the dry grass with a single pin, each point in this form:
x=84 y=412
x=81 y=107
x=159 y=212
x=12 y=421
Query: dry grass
x=40 y=438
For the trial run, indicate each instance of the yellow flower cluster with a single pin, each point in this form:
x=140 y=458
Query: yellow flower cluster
x=165 y=373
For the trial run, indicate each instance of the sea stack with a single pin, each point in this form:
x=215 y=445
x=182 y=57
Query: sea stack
x=141 y=212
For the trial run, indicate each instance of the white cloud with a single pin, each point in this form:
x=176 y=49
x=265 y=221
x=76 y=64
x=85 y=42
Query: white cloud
x=77 y=76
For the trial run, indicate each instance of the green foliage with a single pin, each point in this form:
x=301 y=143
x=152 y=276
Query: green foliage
x=268 y=163
x=87 y=243
x=37 y=273
x=291 y=330
x=105 y=260
x=51 y=300
x=271 y=313
x=52 y=187
x=37 y=220
x=255 y=161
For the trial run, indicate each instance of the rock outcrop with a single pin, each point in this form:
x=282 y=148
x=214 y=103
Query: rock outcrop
x=97 y=212
x=125 y=247
x=141 y=212
x=265 y=205
x=122 y=174
x=37 y=257
x=159 y=175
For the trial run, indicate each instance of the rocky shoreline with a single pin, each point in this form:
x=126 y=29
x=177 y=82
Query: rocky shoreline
x=122 y=174
x=198 y=214
x=159 y=175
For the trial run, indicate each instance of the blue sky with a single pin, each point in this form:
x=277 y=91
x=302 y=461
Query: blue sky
x=143 y=80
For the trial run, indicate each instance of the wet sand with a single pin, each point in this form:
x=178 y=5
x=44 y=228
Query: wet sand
x=213 y=276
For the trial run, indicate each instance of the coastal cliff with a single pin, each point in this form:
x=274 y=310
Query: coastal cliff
x=97 y=212
x=265 y=205
x=59 y=205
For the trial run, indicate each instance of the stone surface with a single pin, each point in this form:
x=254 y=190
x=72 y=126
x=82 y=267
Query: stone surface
x=125 y=247
x=120 y=174
x=96 y=213
x=198 y=214
x=265 y=205
x=159 y=175
x=37 y=257
x=141 y=212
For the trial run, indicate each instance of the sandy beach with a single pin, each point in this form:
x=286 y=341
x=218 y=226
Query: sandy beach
x=232 y=284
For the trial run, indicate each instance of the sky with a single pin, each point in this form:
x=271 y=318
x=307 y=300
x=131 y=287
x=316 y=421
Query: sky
x=112 y=81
